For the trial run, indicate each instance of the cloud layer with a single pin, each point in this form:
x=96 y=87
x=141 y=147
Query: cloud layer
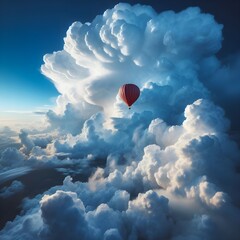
x=171 y=169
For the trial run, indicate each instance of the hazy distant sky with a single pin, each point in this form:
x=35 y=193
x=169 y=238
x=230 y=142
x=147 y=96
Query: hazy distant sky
x=30 y=29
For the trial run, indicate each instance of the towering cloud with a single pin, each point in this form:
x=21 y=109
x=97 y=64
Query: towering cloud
x=171 y=171
x=160 y=53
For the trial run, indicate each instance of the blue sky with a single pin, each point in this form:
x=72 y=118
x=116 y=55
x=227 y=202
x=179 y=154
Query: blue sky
x=30 y=29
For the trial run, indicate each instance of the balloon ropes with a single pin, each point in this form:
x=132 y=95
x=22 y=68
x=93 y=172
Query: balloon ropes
x=129 y=93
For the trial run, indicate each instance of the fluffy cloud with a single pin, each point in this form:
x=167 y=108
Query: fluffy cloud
x=56 y=222
x=7 y=138
x=12 y=157
x=15 y=187
x=169 y=169
x=223 y=81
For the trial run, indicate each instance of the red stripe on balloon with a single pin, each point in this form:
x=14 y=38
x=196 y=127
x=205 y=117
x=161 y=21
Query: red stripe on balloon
x=129 y=93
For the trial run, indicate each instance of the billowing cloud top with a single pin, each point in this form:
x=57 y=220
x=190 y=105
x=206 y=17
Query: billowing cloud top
x=171 y=169
x=161 y=53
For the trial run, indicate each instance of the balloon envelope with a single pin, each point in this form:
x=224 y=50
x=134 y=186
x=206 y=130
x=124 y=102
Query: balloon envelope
x=129 y=93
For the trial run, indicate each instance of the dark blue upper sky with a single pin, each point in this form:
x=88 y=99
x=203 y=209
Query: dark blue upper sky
x=30 y=29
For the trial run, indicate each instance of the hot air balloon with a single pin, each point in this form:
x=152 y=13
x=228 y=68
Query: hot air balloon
x=129 y=93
